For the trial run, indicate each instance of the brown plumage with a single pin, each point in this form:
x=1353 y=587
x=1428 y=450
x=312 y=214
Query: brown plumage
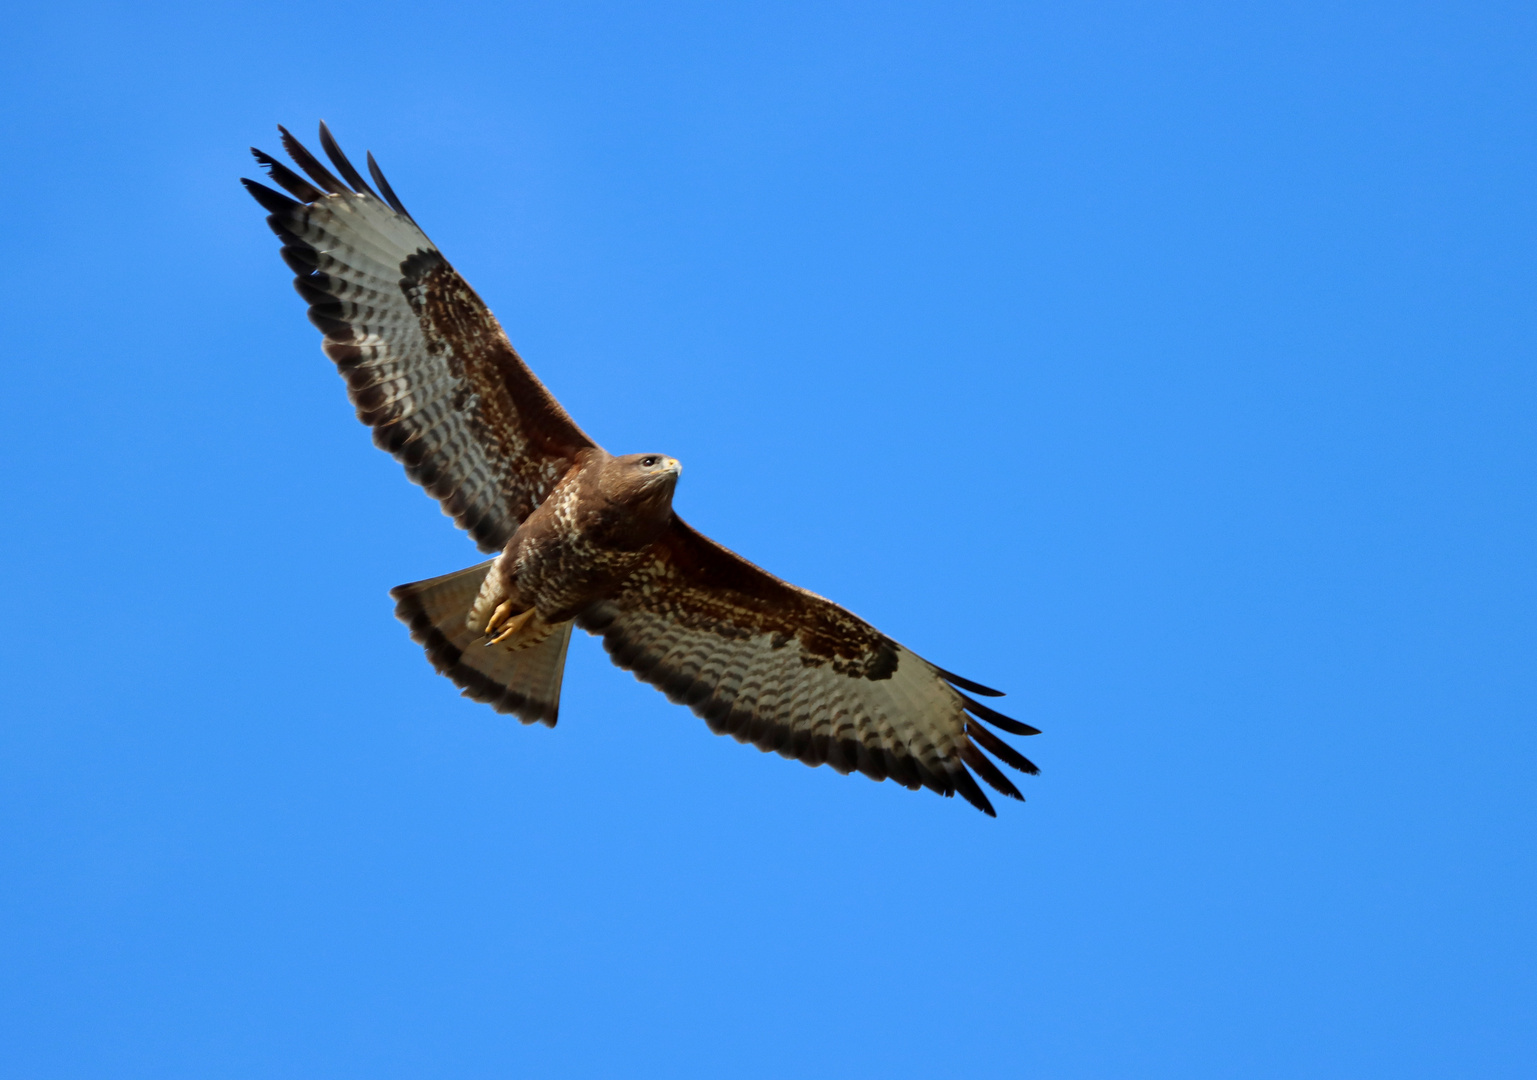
x=585 y=538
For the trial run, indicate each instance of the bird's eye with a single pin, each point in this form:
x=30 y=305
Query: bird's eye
x=649 y=461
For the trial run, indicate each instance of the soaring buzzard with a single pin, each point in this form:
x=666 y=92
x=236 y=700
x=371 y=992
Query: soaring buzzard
x=586 y=538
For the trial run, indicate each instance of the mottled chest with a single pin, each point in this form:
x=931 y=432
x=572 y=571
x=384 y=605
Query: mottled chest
x=564 y=556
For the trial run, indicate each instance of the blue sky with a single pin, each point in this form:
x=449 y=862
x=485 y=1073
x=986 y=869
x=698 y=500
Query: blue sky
x=1168 y=365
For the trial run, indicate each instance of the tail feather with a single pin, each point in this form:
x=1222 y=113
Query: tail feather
x=524 y=682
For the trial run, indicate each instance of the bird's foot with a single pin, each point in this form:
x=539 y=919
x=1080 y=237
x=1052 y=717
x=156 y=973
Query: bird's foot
x=498 y=616
x=512 y=625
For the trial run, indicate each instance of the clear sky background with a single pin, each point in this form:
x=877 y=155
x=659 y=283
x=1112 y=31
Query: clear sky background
x=1168 y=365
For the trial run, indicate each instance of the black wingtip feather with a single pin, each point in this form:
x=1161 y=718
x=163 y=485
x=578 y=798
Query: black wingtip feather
x=989 y=772
x=967 y=684
x=997 y=719
x=334 y=152
x=289 y=180
x=313 y=294
x=312 y=168
x=301 y=258
x=335 y=329
x=271 y=201
x=968 y=790
x=387 y=191
x=1000 y=749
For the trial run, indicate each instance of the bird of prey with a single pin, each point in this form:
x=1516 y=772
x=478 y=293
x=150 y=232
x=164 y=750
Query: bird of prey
x=585 y=538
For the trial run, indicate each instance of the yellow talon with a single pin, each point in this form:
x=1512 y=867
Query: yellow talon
x=498 y=616
x=514 y=624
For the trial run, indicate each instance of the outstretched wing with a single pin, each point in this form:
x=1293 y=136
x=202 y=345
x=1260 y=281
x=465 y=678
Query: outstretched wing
x=788 y=671
x=427 y=365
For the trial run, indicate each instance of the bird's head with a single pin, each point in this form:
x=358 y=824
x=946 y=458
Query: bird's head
x=642 y=480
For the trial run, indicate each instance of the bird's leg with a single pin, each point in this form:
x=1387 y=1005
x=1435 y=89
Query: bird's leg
x=499 y=616
x=513 y=625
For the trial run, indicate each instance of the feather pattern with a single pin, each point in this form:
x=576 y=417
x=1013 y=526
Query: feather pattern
x=788 y=671
x=427 y=365
x=429 y=369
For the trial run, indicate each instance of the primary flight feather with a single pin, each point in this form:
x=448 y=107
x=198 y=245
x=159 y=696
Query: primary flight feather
x=585 y=538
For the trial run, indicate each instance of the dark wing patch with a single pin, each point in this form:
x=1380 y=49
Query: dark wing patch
x=427 y=365
x=791 y=672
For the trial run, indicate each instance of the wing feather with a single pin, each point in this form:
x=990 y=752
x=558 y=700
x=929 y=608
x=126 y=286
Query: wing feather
x=272 y=201
x=333 y=151
x=311 y=166
x=994 y=745
x=997 y=719
x=788 y=671
x=427 y=366
x=387 y=191
x=286 y=178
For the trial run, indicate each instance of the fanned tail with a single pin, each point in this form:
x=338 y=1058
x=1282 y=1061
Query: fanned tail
x=524 y=682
